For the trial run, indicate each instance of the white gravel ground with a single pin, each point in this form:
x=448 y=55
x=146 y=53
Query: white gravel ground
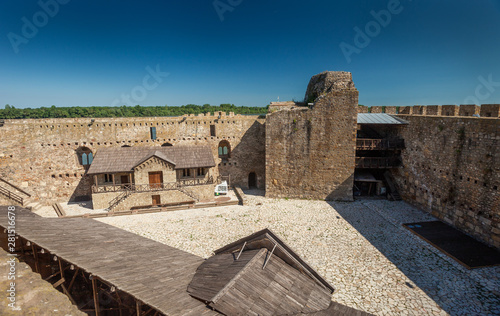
x=374 y=263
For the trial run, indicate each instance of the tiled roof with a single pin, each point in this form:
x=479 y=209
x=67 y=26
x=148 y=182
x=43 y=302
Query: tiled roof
x=125 y=159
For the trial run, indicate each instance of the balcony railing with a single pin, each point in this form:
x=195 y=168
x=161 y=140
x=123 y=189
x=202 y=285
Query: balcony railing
x=379 y=144
x=377 y=162
x=151 y=187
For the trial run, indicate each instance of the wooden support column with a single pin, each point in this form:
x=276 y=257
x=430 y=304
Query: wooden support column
x=138 y=306
x=95 y=181
x=35 y=255
x=114 y=183
x=73 y=279
x=96 y=296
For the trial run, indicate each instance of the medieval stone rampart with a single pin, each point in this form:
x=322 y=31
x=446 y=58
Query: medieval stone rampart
x=41 y=155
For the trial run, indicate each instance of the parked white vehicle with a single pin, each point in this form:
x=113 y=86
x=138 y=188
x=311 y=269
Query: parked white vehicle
x=221 y=188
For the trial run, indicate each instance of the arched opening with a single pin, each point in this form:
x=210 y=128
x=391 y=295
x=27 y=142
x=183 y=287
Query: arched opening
x=85 y=156
x=125 y=146
x=224 y=150
x=252 y=180
x=166 y=145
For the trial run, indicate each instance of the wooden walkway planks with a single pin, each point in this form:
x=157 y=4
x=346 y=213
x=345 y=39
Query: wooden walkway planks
x=119 y=258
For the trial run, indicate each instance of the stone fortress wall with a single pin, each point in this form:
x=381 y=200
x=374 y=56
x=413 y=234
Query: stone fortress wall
x=310 y=150
x=451 y=164
x=40 y=155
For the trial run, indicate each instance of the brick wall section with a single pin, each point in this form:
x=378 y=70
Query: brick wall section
x=310 y=152
x=450 y=110
x=452 y=170
x=406 y=110
x=419 y=110
x=376 y=109
x=362 y=109
x=468 y=110
x=490 y=110
x=390 y=110
x=39 y=155
x=433 y=110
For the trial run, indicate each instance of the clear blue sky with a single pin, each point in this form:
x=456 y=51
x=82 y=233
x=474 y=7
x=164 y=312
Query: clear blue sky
x=93 y=52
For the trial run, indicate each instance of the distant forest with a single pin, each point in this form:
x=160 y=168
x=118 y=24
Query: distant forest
x=10 y=112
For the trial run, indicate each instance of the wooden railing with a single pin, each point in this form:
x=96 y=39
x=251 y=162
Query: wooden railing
x=379 y=144
x=377 y=162
x=12 y=195
x=151 y=187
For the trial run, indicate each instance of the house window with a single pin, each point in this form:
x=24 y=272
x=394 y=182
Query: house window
x=85 y=156
x=200 y=171
x=212 y=130
x=108 y=178
x=153 y=133
x=186 y=172
x=224 y=149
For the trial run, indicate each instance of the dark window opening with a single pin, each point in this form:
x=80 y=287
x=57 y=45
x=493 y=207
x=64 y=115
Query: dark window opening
x=186 y=172
x=108 y=178
x=212 y=130
x=153 y=132
x=166 y=145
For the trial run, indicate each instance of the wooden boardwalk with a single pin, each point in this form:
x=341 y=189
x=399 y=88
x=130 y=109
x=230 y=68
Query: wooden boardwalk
x=155 y=274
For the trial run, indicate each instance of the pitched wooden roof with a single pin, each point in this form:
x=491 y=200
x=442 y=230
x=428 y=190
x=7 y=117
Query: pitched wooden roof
x=267 y=239
x=154 y=273
x=245 y=287
x=125 y=159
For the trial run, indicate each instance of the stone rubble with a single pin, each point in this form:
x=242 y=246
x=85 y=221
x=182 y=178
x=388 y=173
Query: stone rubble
x=361 y=248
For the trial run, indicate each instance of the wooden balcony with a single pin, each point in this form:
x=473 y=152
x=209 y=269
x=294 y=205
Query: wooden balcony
x=152 y=187
x=379 y=144
x=377 y=162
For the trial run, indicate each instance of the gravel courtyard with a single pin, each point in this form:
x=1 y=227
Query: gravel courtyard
x=361 y=248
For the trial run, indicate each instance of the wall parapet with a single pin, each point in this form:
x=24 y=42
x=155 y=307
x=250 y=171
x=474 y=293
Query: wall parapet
x=463 y=110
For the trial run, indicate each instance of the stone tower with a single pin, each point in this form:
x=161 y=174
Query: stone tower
x=310 y=147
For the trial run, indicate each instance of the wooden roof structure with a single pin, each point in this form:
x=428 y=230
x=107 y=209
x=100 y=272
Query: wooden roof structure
x=261 y=275
x=257 y=275
x=154 y=273
x=125 y=159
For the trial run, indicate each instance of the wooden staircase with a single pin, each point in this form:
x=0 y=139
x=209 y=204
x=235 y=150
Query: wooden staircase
x=393 y=195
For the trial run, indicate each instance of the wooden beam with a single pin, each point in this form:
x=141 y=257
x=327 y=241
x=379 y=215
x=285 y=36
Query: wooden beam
x=61 y=281
x=67 y=294
x=37 y=267
x=138 y=306
x=73 y=279
x=96 y=296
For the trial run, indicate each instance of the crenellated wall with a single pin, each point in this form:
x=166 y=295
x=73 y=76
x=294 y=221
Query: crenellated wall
x=485 y=110
x=40 y=155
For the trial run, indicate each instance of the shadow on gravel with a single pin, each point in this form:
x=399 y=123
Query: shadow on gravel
x=450 y=288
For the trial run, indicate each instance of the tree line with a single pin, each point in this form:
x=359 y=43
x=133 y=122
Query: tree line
x=11 y=112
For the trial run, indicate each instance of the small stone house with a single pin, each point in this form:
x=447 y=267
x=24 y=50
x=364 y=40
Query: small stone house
x=133 y=177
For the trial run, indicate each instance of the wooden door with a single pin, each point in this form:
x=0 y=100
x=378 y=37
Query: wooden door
x=155 y=179
x=156 y=200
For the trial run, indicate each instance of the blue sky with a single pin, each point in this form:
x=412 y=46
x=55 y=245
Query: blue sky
x=246 y=52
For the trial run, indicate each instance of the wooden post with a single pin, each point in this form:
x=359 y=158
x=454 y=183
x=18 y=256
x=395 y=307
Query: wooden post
x=35 y=255
x=96 y=296
x=113 y=177
x=95 y=182
x=73 y=279
x=138 y=307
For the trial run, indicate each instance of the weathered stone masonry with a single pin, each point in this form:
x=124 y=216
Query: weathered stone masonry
x=39 y=155
x=310 y=152
x=451 y=168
